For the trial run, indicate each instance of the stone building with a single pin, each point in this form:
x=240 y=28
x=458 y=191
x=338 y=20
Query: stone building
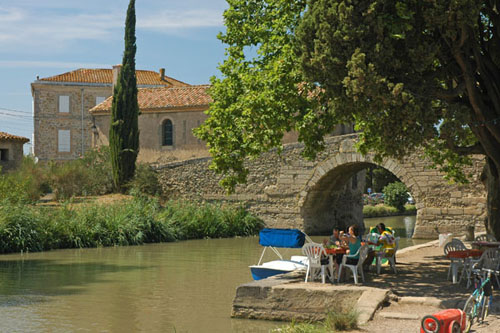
x=62 y=124
x=168 y=116
x=11 y=151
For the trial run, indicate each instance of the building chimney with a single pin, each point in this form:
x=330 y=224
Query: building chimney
x=162 y=74
x=116 y=71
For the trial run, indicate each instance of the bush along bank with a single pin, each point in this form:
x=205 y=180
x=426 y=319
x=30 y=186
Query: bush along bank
x=137 y=221
x=381 y=210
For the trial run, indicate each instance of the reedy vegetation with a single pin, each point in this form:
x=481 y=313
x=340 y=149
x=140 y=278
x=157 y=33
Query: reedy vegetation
x=136 y=221
x=27 y=227
x=337 y=319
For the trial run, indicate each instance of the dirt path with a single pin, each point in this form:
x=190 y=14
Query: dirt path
x=422 y=273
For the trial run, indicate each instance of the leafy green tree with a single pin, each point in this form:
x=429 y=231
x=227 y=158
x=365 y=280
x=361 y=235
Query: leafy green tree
x=256 y=100
x=412 y=74
x=124 y=129
x=377 y=178
x=396 y=195
x=408 y=73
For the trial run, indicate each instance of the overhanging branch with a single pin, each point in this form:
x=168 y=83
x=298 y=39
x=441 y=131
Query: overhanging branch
x=451 y=95
x=476 y=149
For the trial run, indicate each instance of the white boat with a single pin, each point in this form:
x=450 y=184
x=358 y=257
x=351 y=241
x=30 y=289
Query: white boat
x=274 y=238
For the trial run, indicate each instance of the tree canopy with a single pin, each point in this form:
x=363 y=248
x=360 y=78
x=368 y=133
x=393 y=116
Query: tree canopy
x=408 y=73
x=124 y=128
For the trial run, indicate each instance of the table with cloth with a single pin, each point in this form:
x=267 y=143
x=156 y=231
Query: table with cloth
x=332 y=252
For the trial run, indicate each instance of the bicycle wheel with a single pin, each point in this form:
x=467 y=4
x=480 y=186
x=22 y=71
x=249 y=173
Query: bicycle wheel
x=470 y=312
x=430 y=324
x=486 y=307
x=487 y=298
x=480 y=307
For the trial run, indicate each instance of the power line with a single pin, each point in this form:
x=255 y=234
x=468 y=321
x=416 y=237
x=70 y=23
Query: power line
x=16 y=115
x=12 y=110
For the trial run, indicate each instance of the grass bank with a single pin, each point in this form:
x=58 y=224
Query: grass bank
x=381 y=210
x=336 y=320
x=135 y=221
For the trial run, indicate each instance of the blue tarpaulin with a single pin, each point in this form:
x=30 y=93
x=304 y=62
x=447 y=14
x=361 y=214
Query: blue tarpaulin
x=293 y=238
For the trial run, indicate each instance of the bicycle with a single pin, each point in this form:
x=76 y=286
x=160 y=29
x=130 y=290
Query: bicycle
x=478 y=304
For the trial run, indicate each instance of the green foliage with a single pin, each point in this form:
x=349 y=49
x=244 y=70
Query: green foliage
x=124 y=128
x=396 y=195
x=377 y=178
x=297 y=327
x=384 y=210
x=24 y=185
x=341 y=320
x=379 y=210
x=89 y=175
x=336 y=320
x=412 y=74
x=256 y=100
x=97 y=161
x=145 y=181
x=137 y=221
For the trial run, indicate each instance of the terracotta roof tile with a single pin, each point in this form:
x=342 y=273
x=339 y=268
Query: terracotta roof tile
x=84 y=75
x=165 y=98
x=10 y=137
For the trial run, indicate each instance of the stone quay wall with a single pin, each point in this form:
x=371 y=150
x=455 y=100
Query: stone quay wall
x=287 y=191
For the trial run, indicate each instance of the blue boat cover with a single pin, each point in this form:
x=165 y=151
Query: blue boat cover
x=293 y=238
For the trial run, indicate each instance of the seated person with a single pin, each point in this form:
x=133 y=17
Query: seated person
x=386 y=239
x=376 y=230
x=354 y=243
x=334 y=238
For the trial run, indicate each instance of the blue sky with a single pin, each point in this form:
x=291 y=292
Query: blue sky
x=51 y=37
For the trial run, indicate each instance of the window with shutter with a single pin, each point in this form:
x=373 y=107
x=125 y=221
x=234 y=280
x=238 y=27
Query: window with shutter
x=64 y=104
x=64 y=141
x=168 y=133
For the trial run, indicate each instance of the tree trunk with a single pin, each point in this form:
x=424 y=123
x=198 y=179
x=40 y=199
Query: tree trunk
x=491 y=179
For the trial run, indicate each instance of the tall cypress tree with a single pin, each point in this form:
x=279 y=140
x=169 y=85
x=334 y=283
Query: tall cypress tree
x=124 y=129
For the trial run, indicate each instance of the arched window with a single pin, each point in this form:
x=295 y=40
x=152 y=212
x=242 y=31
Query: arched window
x=168 y=133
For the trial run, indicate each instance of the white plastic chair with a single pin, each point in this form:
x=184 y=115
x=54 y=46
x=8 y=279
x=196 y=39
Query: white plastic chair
x=389 y=255
x=363 y=253
x=458 y=242
x=314 y=251
x=455 y=263
x=490 y=259
x=485 y=238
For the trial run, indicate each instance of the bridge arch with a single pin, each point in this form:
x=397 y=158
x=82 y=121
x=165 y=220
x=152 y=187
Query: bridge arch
x=332 y=175
x=287 y=191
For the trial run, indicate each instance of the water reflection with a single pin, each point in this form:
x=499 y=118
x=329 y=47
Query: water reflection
x=175 y=287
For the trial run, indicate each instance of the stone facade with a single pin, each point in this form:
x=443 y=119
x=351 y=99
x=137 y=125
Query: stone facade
x=63 y=127
x=150 y=126
x=11 y=151
x=48 y=121
x=289 y=192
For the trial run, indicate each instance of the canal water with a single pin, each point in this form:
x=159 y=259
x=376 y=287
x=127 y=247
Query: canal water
x=172 y=287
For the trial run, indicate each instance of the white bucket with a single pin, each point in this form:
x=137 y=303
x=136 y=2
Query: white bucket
x=444 y=239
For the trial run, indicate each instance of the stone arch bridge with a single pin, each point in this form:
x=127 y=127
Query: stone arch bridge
x=287 y=191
